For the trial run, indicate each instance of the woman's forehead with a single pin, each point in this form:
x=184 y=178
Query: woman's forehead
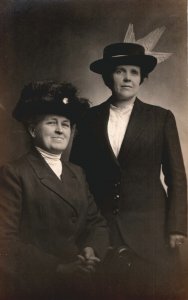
x=127 y=67
x=55 y=117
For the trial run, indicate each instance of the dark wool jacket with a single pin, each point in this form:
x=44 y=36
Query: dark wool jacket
x=44 y=222
x=128 y=189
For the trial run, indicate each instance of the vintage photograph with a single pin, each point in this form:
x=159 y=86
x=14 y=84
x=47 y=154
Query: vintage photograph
x=93 y=156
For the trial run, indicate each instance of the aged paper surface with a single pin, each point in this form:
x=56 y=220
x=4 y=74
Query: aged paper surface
x=58 y=39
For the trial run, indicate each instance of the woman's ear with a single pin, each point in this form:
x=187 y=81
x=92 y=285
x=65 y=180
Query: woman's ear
x=31 y=129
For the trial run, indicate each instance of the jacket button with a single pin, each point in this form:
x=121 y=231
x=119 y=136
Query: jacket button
x=116 y=196
x=115 y=211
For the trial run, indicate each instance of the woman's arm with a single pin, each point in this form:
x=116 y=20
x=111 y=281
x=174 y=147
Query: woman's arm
x=97 y=236
x=19 y=259
x=175 y=179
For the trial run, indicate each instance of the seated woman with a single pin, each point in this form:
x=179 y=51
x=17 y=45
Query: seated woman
x=51 y=233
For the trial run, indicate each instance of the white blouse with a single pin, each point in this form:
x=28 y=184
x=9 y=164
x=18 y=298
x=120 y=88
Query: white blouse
x=117 y=125
x=53 y=160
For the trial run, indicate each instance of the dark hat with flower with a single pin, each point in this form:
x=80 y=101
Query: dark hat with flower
x=49 y=97
x=124 y=54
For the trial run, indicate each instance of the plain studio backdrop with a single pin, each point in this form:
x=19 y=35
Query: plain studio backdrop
x=58 y=39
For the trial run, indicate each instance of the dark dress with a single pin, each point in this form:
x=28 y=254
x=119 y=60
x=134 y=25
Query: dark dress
x=129 y=192
x=44 y=222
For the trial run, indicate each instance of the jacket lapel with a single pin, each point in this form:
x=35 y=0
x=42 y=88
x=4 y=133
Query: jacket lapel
x=102 y=132
x=135 y=128
x=63 y=188
x=136 y=125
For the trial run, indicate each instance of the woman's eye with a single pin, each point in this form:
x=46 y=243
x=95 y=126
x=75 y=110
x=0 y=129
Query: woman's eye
x=66 y=125
x=51 y=123
x=118 y=72
x=135 y=72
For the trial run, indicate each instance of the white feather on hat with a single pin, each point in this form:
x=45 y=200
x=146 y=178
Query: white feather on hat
x=148 y=42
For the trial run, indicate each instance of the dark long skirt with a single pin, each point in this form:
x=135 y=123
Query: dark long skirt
x=127 y=276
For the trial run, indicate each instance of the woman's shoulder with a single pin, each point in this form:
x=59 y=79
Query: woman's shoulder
x=15 y=166
x=92 y=114
x=155 y=108
x=13 y=172
x=97 y=108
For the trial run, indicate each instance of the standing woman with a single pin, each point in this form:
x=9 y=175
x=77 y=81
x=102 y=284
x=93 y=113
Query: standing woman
x=122 y=144
x=51 y=233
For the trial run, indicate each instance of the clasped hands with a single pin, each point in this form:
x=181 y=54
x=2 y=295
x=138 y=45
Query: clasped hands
x=86 y=262
x=176 y=240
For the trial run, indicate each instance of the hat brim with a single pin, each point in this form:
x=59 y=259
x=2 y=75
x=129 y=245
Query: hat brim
x=24 y=111
x=146 y=62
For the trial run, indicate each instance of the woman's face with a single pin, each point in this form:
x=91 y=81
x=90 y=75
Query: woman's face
x=52 y=133
x=126 y=81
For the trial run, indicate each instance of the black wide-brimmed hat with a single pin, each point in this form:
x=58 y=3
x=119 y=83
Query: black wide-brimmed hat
x=49 y=97
x=124 y=54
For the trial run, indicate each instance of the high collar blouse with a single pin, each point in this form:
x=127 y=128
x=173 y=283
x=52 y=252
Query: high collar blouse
x=117 y=125
x=53 y=160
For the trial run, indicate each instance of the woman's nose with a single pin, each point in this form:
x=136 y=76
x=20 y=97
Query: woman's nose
x=126 y=76
x=59 y=128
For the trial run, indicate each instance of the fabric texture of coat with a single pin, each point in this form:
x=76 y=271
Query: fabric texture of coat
x=128 y=189
x=44 y=222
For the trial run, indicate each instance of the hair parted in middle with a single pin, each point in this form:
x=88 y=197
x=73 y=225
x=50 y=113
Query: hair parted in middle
x=107 y=76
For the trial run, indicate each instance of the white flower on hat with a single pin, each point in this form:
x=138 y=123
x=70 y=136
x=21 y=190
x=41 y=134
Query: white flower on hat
x=65 y=100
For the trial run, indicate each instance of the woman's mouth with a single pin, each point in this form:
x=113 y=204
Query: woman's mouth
x=126 y=86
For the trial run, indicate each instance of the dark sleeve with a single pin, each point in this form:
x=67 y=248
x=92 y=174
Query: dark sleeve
x=19 y=260
x=175 y=178
x=97 y=234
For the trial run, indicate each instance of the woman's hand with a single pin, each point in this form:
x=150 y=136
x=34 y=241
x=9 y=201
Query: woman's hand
x=89 y=259
x=85 y=263
x=176 y=240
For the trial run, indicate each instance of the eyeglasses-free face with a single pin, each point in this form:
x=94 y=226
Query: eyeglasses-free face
x=52 y=133
x=126 y=81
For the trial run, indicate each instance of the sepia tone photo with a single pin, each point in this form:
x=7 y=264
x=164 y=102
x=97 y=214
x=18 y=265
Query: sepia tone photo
x=93 y=156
